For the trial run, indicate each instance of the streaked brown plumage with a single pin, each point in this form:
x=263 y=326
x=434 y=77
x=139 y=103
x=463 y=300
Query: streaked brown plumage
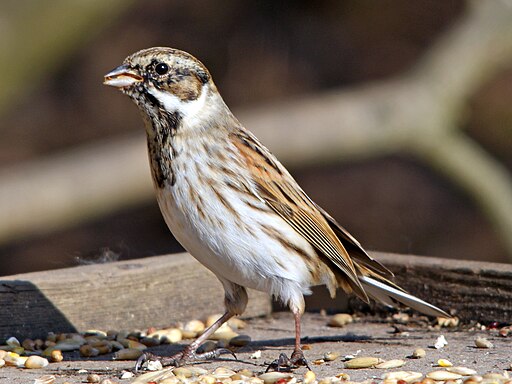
x=232 y=204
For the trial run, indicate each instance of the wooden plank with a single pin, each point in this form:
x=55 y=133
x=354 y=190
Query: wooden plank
x=158 y=291
x=154 y=291
x=470 y=290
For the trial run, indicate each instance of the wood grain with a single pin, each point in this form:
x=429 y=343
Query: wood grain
x=135 y=294
x=470 y=290
x=159 y=291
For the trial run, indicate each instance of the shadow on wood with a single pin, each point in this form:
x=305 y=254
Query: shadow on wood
x=22 y=305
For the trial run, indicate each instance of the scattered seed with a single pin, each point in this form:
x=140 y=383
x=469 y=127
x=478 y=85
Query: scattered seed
x=272 y=377
x=56 y=356
x=419 y=353
x=448 y=322
x=88 y=350
x=93 y=378
x=494 y=376
x=237 y=323
x=169 y=335
x=443 y=375
x=2 y=362
x=318 y=362
x=444 y=363
x=331 y=356
x=256 y=355
x=482 y=342
x=45 y=379
x=395 y=363
x=363 y=362
x=440 y=342
x=462 y=371
x=126 y=375
x=182 y=372
x=309 y=377
x=127 y=354
x=340 y=320
x=407 y=376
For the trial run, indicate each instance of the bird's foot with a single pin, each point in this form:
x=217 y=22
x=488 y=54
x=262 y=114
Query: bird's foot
x=180 y=358
x=285 y=364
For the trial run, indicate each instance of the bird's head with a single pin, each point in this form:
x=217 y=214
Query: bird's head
x=163 y=79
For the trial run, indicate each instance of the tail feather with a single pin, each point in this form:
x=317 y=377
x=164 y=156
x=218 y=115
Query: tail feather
x=389 y=295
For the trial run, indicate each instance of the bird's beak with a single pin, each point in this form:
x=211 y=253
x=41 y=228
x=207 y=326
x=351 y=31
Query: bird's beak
x=121 y=77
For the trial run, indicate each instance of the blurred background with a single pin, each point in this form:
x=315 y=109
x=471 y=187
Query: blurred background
x=421 y=163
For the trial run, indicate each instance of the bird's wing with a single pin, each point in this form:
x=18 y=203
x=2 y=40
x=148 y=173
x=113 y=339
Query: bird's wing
x=282 y=193
x=353 y=246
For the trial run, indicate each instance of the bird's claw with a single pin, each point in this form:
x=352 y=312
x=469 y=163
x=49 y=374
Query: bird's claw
x=285 y=364
x=180 y=358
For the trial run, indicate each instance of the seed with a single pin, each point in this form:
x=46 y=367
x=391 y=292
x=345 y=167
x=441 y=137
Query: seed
x=272 y=377
x=45 y=379
x=444 y=363
x=448 y=322
x=223 y=333
x=222 y=372
x=462 y=371
x=126 y=375
x=318 y=362
x=309 y=377
x=182 y=372
x=35 y=362
x=419 y=353
x=14 y=360
x=2 y=362
x=194 y=326
x=494 y=376
x=407 y=376
x=88 y=350
x=206 y=379
x=96 y=332
x=443 y=375
x=396 y=363
x=331 y=356
x=240 y=341
x=93 y=378
x=56 y=356
x=340 y=320
x=362 y=362
x=170 y=335
x=255 y=355
x=13 y=342
x=29 y=344
x=2 y=353
x=212 y=319
x=127 y=354
x=69 y=345
x=440 y=342
x=106 y=381
x=245 y=372
x=482 y=342
x=237 y=323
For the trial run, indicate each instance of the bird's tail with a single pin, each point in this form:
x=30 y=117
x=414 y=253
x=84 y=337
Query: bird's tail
x=389 y=294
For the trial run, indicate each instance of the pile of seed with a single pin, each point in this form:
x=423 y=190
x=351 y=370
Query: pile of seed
x=126 y=345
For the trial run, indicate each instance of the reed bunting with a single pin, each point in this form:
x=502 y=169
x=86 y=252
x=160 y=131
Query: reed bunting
x=234 y=206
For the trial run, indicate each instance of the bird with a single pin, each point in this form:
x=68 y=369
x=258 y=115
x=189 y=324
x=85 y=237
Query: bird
x=234 y=207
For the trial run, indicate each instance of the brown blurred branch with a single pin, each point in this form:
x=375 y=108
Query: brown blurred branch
x=418 y=113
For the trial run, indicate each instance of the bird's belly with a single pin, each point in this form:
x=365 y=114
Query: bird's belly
x=229 y=239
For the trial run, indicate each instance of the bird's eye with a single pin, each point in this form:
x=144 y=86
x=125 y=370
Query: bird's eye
x=161 y=68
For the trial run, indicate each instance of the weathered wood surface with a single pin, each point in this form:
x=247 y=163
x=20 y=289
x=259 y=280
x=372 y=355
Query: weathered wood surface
x=154 y=291
x=158 y=291
x=470 y=290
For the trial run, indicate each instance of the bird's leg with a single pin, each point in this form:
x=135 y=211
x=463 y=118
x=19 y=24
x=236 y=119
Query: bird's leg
x=283 y=363
x=235 y=300
x=189 y=353
x=297 y=357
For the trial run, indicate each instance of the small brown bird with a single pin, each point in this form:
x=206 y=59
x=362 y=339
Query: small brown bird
x=234 y=206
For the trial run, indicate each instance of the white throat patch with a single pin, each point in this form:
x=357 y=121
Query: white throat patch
x=187 y=109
